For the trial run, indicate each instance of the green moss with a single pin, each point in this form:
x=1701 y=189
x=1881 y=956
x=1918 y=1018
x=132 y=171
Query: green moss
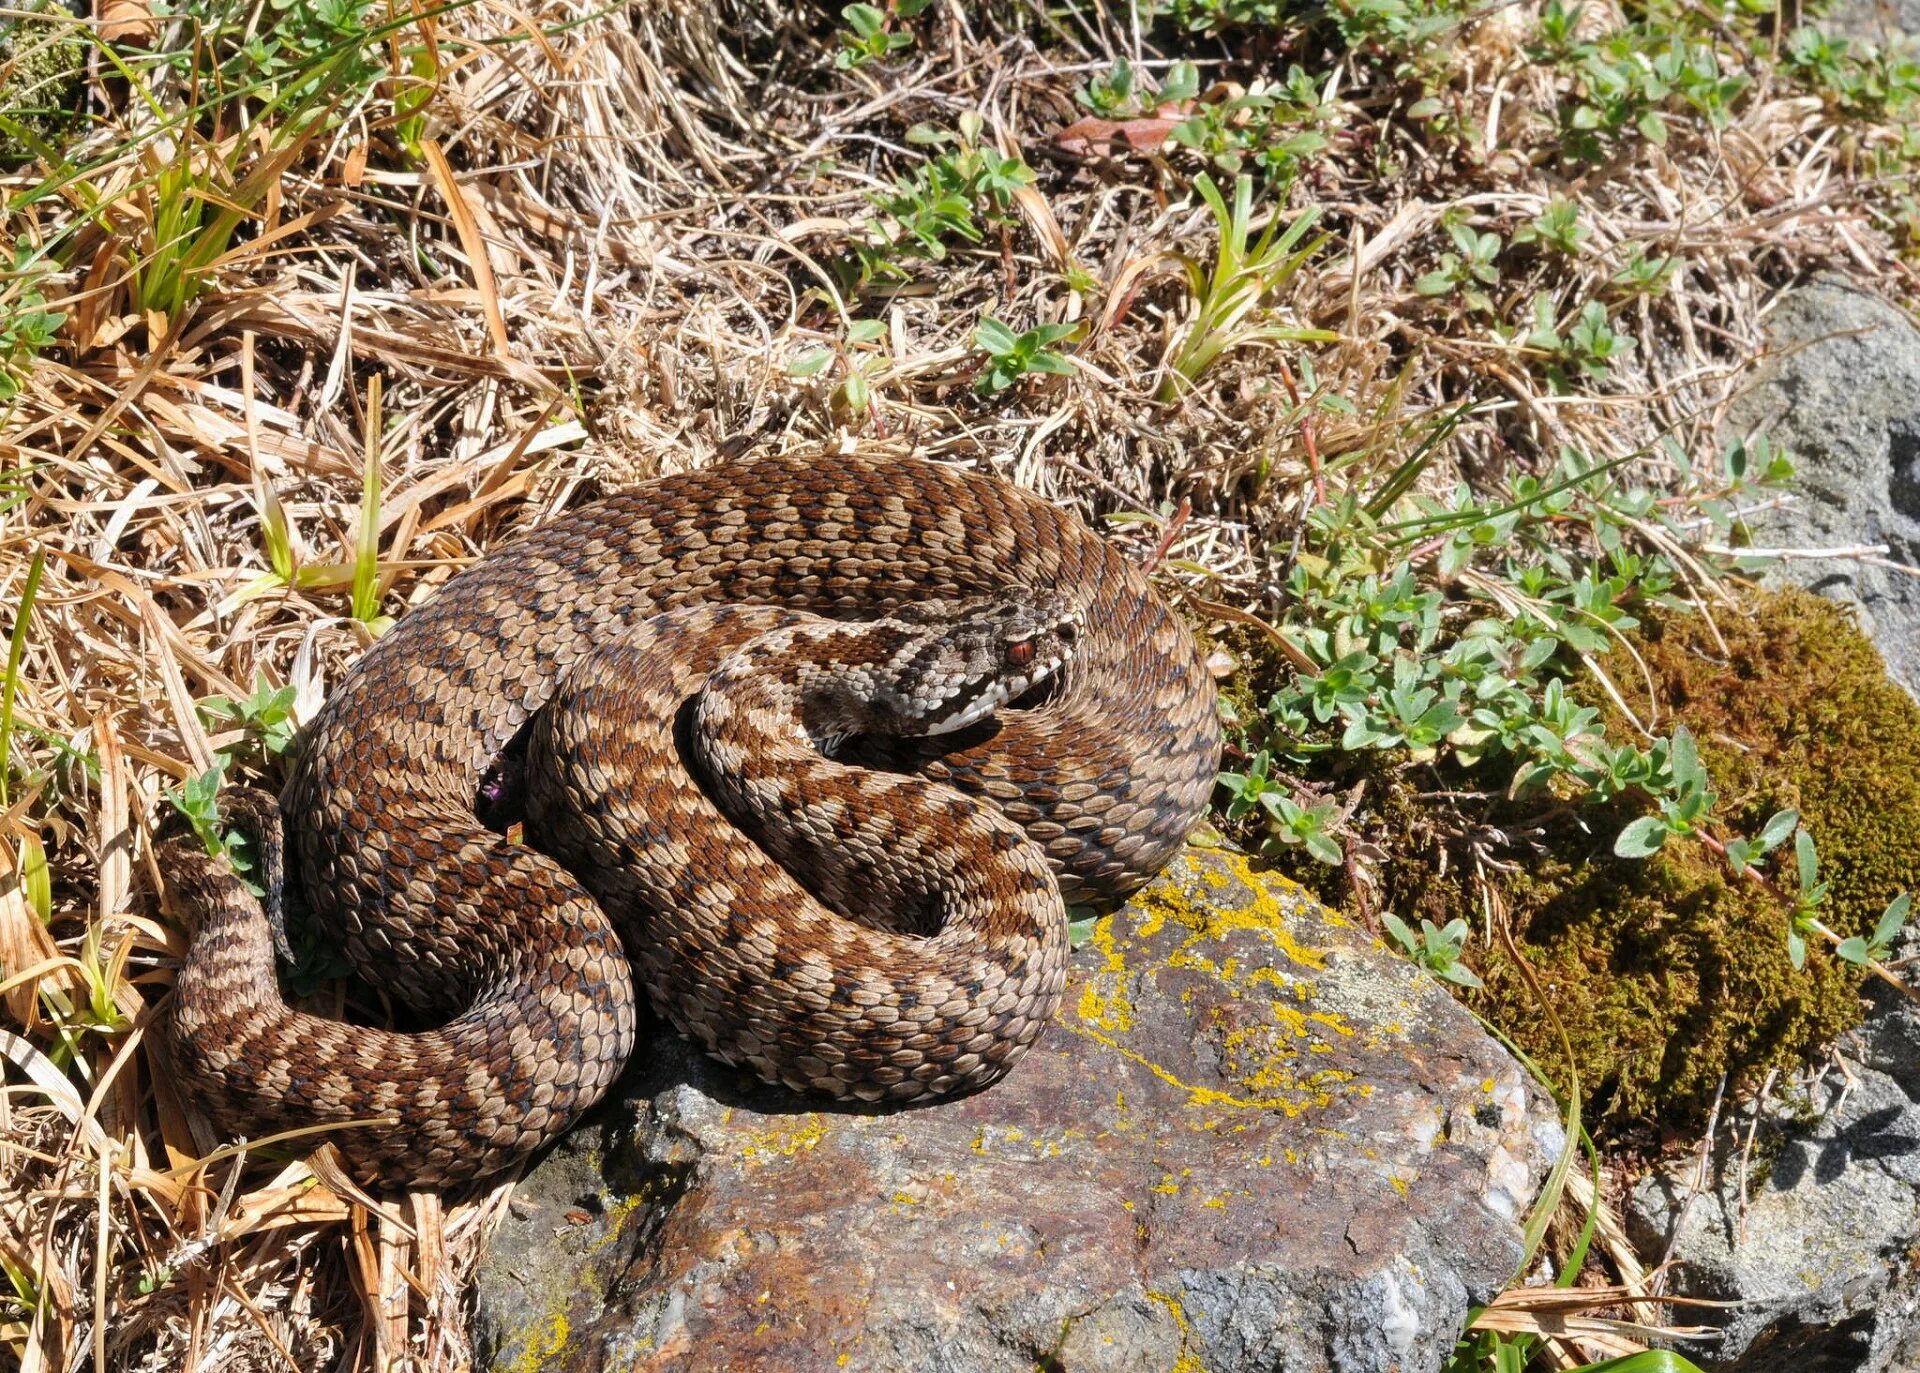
x=42 y=63
x=1667 y=973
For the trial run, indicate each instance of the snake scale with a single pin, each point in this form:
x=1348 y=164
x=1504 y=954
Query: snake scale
x=952 y=867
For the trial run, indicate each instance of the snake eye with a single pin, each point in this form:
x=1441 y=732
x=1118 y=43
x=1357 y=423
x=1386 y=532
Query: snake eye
x=1020 y=653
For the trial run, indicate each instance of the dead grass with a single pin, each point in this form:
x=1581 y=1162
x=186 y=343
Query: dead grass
x=618 y=233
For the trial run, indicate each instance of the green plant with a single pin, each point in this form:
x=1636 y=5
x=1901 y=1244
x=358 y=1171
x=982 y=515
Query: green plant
x=1468 y=665
x=366 y=552
x=1644 y=275
x=1437 y=950
x=1863 y=81
x=27 y=326
x=944 y=198
x=278 y=58
x=1585 y=352
x=869 y=33
x=1011 y=356
x=857 y=358
x=1557 y=227
x=1624 y=83
x=1287 y=822
x=1120 y=93
x=1467 y=270
x=1276 y=127
x=264 y=718
x=16 y=652
x=197 y=799
x=1863 y=951
x=1230 y=292
x=1666 y=962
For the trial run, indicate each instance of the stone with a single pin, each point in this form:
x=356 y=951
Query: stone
x=1821 y=1257
x=1821 y=1262
x=1879 y=22
x=1252 y=1140
x=1842 y=390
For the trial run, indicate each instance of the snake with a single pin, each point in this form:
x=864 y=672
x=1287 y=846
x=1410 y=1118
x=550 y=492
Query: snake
x=856 y=895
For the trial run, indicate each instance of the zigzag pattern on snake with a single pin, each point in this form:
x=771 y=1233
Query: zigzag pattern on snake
x=532 y=970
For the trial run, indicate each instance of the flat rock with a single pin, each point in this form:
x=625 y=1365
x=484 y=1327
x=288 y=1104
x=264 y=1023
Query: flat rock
x=1254 y=1140
x=1842 y=390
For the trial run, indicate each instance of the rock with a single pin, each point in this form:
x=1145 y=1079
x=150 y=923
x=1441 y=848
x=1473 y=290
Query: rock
x=1254 y=1140
x=1823 y=1259
x=1881 y=22
x=1843 y=391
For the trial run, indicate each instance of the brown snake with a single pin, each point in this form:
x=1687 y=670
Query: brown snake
x=953 y=958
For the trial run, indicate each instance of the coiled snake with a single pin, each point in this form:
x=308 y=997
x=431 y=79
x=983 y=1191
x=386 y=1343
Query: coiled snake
x=954 y=956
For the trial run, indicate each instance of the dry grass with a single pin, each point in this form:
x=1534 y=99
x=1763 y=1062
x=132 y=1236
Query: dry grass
x=614 y=236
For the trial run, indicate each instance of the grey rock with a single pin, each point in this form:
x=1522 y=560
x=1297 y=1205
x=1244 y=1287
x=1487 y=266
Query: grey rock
x=1823 y=1258
x=1253 y=1140
x=1873 y=21
x=1843 y=391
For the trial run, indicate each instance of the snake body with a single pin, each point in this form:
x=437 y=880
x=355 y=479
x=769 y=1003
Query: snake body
x=526 y=966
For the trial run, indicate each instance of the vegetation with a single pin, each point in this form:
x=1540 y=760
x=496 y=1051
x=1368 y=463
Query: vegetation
x=1389 y=333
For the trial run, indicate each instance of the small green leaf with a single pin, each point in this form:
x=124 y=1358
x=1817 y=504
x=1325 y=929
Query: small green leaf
x=1685 y=756
x=1641 y=838
x=1891 y=920
x=1853 y=950
x=994 y=337
x=1778 y=828
x=1806 y=859
x=1325 y=848
x=36 y=880
x=810 y=363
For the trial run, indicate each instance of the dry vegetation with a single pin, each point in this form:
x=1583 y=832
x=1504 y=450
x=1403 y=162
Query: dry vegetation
x=318 y=354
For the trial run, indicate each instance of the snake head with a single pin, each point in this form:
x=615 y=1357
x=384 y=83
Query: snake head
x=972 y=657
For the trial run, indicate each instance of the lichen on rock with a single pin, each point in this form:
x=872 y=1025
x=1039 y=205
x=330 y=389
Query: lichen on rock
x=1253 y=1138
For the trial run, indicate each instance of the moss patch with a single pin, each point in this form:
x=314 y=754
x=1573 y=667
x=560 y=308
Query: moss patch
x=44 y=58
x=1667 y=973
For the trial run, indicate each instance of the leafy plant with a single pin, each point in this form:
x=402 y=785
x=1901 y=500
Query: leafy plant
x=947 y=197
x=857 y=360
x=1682 y=806
x=1275 y=128
x=1437 y=950
x=1586 y=351
x=1288 y=822
x=1876 y=946
x=265 y=718
x=869 y=33
x=27 y=326
x=1012 y=356
x=1624 y=83
x=197 y=799
x=1230 y=292
x=1557 y=227
x=1122 y=93
x=1467 y=270
x=1468 y=663
x=1644 y=275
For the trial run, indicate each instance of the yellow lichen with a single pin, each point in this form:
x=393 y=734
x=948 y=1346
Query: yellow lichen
x=765 y=1145
x=546 y=1343
x=1188 y=1361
